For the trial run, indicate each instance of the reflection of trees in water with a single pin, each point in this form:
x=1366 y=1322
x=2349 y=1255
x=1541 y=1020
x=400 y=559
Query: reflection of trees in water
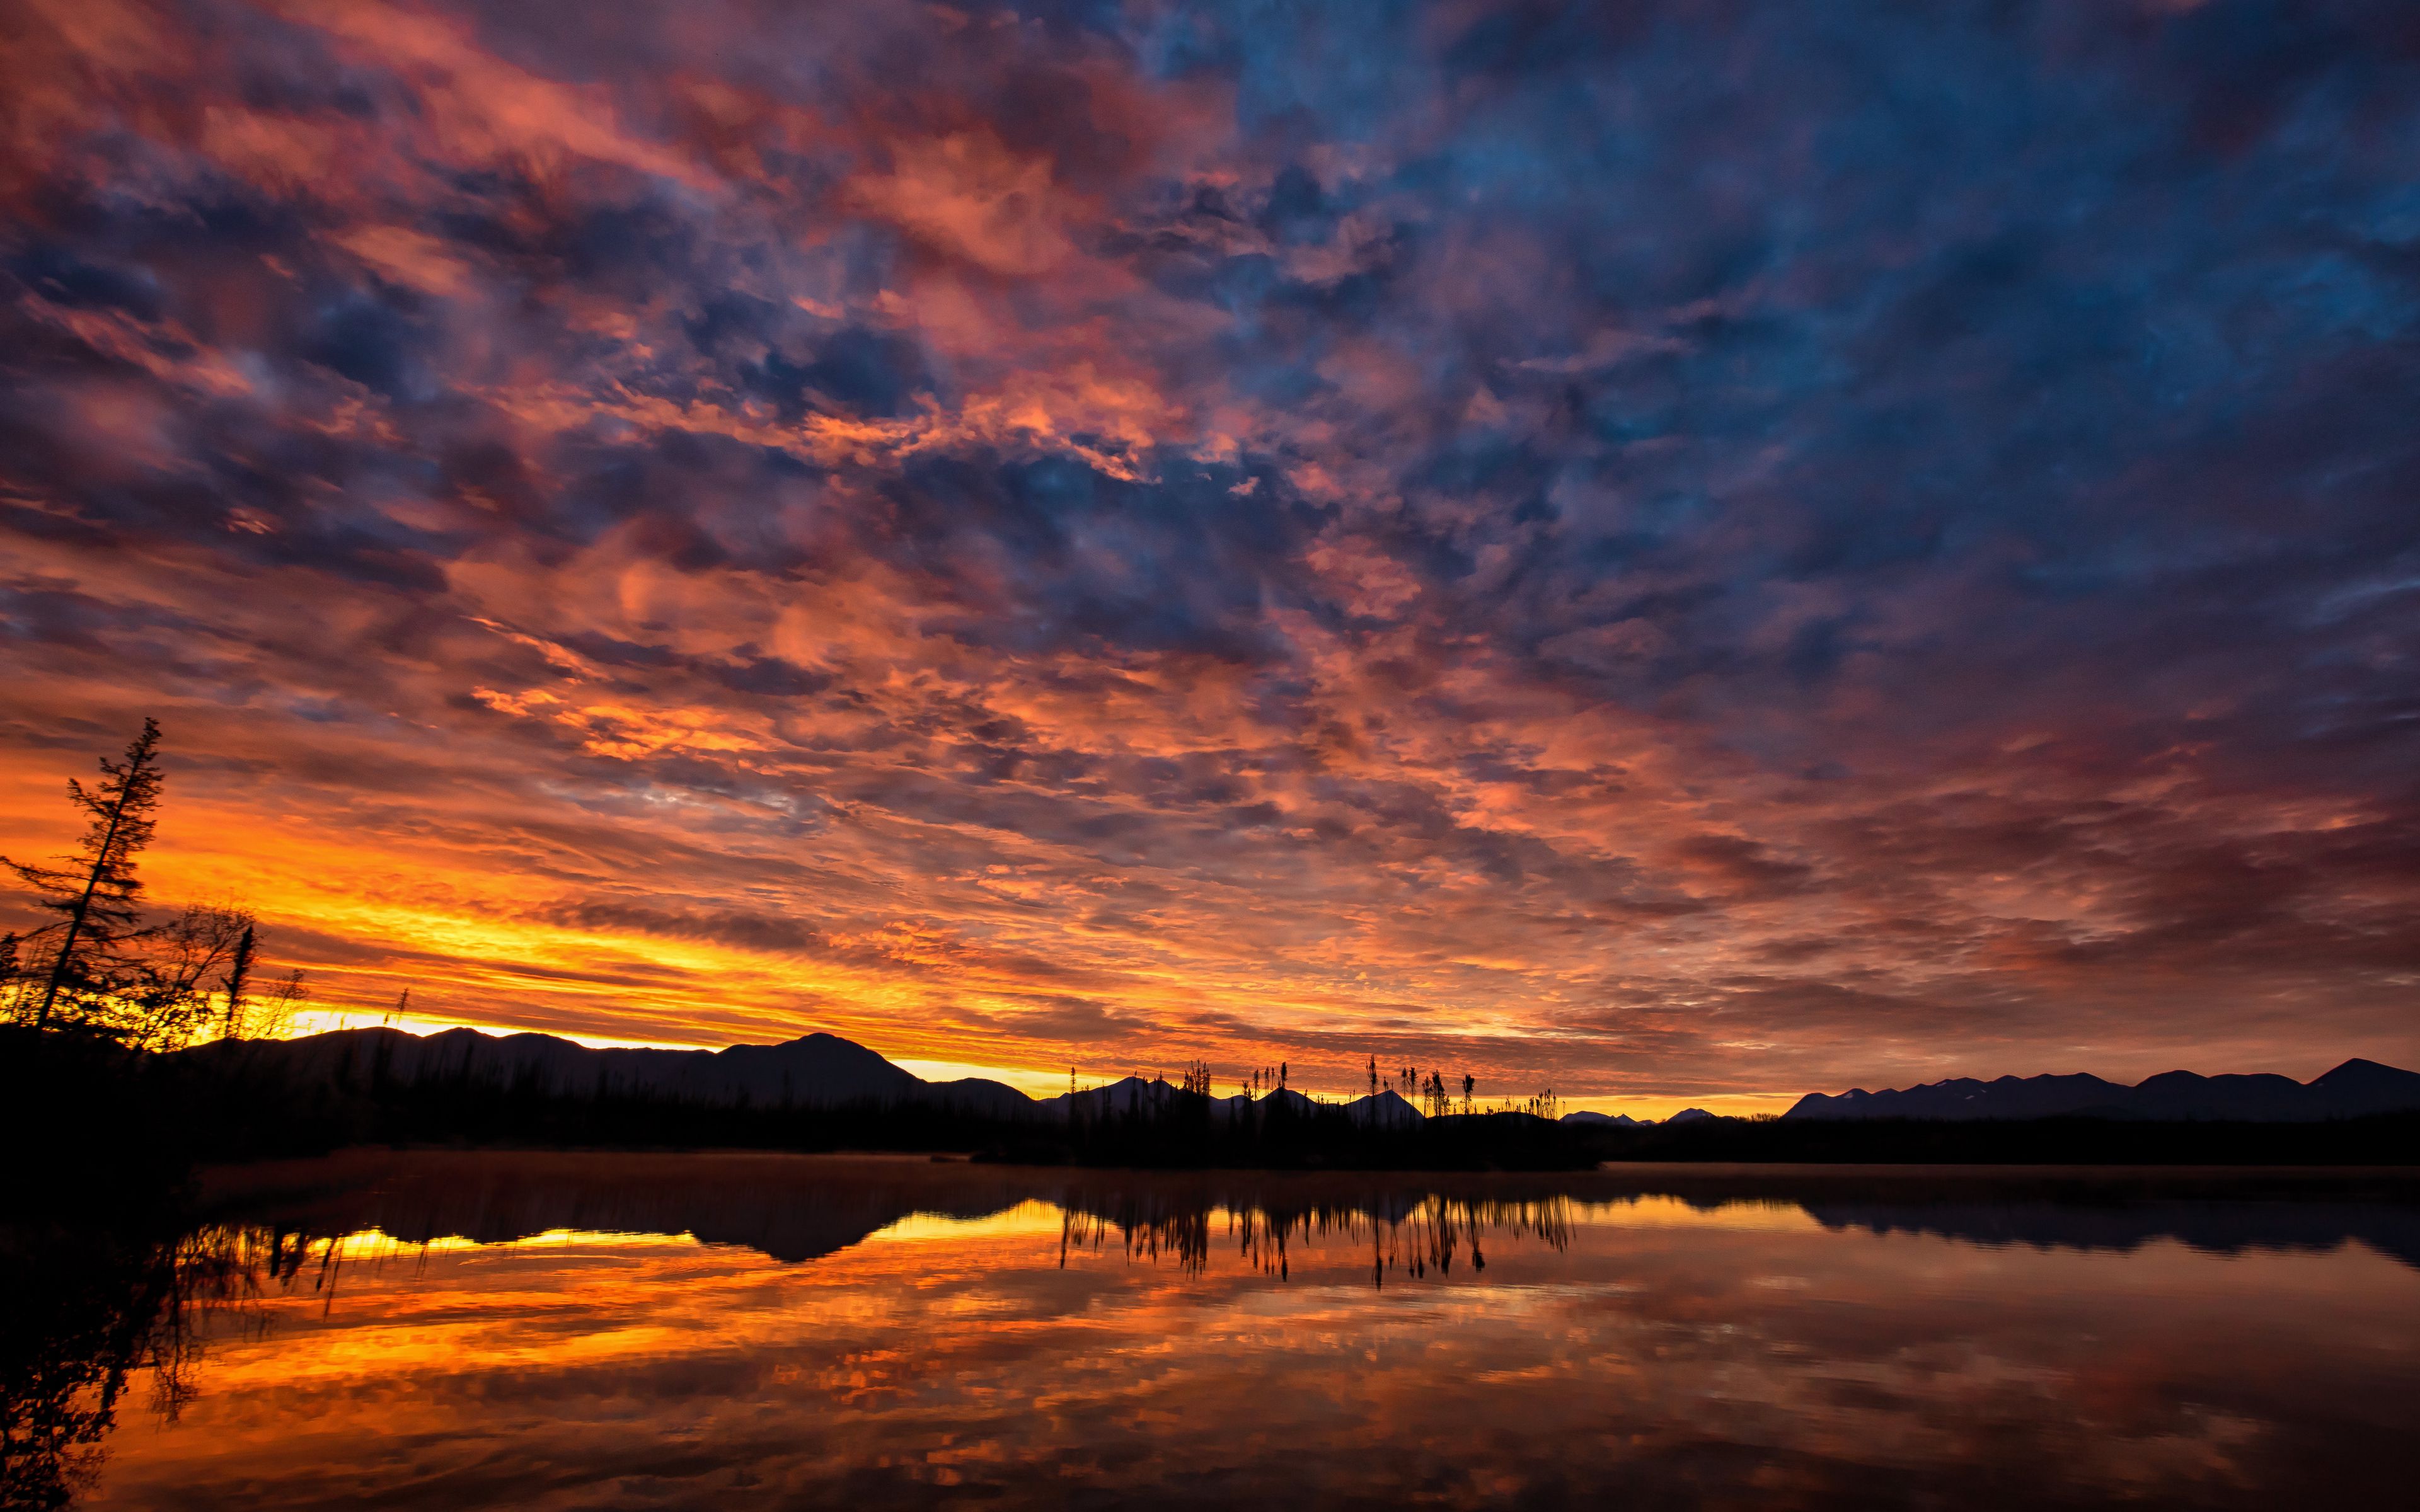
x=84 y=1312
x=1406 y=1236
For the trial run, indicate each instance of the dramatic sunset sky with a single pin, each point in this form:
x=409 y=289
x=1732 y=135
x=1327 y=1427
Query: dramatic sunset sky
x=1680 y=552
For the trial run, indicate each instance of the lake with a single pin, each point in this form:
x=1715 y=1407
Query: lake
x=469 y=1330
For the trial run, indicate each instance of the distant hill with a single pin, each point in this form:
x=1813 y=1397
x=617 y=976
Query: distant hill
x=1388 y=1109
x=1129 y=1095
x=2355 y=1089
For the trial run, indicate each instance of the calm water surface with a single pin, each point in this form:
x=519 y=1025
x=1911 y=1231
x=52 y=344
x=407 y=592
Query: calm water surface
x=744 y=1332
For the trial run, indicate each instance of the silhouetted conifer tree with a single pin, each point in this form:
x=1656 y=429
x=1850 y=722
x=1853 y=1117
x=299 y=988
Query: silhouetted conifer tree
x=96 y=893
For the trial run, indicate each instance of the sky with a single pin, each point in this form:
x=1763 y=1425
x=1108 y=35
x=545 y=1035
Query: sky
x=1678 y=552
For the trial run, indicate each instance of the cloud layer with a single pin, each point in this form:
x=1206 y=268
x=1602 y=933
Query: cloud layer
x=1678 y=548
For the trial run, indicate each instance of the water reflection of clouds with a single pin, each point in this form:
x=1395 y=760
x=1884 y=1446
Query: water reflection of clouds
x=1698 y=1352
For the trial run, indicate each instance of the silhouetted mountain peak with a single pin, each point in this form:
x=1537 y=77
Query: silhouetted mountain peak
x=2360 y=1072
x=1387 y=1109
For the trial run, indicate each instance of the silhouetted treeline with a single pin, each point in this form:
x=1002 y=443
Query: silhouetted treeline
x=141 y=1121
x=167 y=1112
x=1185 y=1130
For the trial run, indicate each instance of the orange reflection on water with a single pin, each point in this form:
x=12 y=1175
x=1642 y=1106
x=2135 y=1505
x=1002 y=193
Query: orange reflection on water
x=1076 y=1343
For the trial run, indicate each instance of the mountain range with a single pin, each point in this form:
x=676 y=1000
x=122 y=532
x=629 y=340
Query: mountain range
x=2353 y=1089
x=814 y=1070
x=826 y=1070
